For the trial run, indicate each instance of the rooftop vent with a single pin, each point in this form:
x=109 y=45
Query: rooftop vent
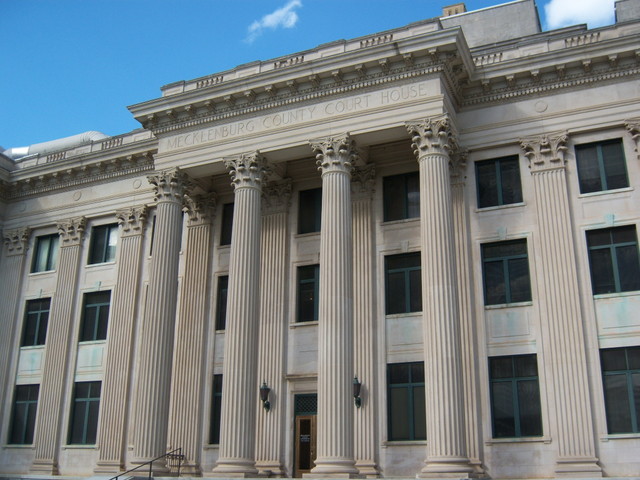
x=454 y=9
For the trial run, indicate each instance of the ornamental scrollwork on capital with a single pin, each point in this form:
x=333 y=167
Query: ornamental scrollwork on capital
x=132 y=220
x=247 y=170
x=633 y=127
x=335 y=154
x=458 y=166
x=276 y=197
x=16 y=241
x=169 y=185
x=200 y=208
x=71 y=231
x=363 y=180
x=431 y=136
x=545 y=152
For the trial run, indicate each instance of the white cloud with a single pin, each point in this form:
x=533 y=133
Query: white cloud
x=283 y=17
x=595 y=13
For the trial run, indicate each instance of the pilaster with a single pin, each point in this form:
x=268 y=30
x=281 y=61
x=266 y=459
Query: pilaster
x=116 y=392
x=560 y=312
x=433 y=142
x=335 y=156
x=633 y=127
x=56 y=364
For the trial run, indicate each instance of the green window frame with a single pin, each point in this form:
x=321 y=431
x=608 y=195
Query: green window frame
x=498 y=181
x=221 y=302
x=226 y=228
x=309 y=210
x=601 y=166
x=406 y=410
x=104 y=240
x=401 y=196
x=45 y=257
x=403 y=283
x=614 y=262
x=216 y=410
x=83 y=426
x=307 y=293
x=621 y=382
x=95 y=316
x=36 y=319
x=505 y=271
x=515 y=396
x=23 y=415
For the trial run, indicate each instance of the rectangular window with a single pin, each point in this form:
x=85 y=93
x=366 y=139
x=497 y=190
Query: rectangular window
x=309 y=210
x=23 y=417
x=104 y=239
x=515 y=396
x=403 y=285
x=401 y=196
x=308 y=283
x=621 y=378
x=406 y=412
x=227 y=224
x=505 y=268
x=498 y=181
x=84 y=413
x=36 y=319
x=613 y=259
x=45 y=257
x=216 y=409
x=221 y=303
x=601 y=166
x=95 y=316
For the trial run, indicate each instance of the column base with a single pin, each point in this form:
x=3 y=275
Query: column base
x=234 y=468
x=44 y=467
x=367 y=469
x=108 y=466
x=448 y=467
x=332 y=467
x=159 y=468
x=270 y=469
x=578 y=467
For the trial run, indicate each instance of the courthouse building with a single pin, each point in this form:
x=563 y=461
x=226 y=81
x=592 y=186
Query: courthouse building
x=411 y=253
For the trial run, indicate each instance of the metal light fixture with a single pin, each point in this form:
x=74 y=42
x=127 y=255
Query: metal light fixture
x=264 y=396
x=356 y=392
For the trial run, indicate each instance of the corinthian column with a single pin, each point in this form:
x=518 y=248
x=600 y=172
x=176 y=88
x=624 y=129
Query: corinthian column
x=446 y=449
x=115 y=390
x=239 y=381
x=560 y=313
x=54 y=372
x=12 y=266
x=335 y=323
x=364 y=360
x=273 y=327
x=185 y=427
x=158 y=322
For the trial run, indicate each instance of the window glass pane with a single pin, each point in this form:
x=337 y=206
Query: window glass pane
x=399 y=373
x=614 y=165
x=308 y=293
x=628 y=268
x=525 y=366
x=98 y=245
x=417 y=372
x=399 y=428
x=227 y=224
x=77 y=422
x=309 y=210
x=419 y=414
x=221 y=311
x=500 y=367
x=596 y=238
x=519 y=285
x=619 y=234
x=396 y=294
x=617 y=403
x=588 y=169
x=511 y=188
x=393 y=193
x=494 y=286
x=602 y=278
x=487 y=183
x=613 y=359
x=413 y=195
x=415 y=291
x=503 y=414
x=112 y=242
x=529 y=406
x=633 y=357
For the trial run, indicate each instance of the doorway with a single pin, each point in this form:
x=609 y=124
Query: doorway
x=306 y=407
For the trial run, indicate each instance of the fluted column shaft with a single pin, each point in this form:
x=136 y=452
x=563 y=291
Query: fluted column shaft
x=239 y=381
x=185 y=419
x=115 y=390
x=335 y=322
x=158 y=322
x=446 y=449
x=273 y=327
x=58 y=349
x=560 y=312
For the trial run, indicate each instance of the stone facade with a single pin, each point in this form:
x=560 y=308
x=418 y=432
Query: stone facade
x=441 y=220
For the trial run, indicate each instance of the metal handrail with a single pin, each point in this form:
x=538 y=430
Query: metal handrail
x=169 y=455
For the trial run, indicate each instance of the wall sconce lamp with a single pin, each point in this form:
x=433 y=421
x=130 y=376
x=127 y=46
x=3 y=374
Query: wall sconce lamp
x=356 y=392
x=264 y=396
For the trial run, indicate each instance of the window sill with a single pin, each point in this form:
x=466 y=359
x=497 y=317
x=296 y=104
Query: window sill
x=307 y=235
x=80 y=447
x=303 y=324
x=605 y=192
x=632 y=293
x=32 y=347
x=400 y=221
x=620 y=436
x=500 y=207
x=44 y=272
x=403 y=443
x=493 y=441
x=93 y=342
x=18 y=446
x=508 y=305
x=101 y=264
x=211 y=446
x=404 y=315
x=225 y=246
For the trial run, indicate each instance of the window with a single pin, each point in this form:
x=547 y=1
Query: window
x=35 y=322
x=95 y=316
x=505 y=269
x=621 y=378
x=601 y=166
x=406 y=405
x=403 y=285
x=515 y=396
x=103 y=243
x=23 y=417
x=84 y=413
x=216 y=409
x=227 y=224
x=309 y=210
x=401 y=196
x=613 y=259
x=308 y=283
x=221 y=304
x=498 y=182
x=45 y=257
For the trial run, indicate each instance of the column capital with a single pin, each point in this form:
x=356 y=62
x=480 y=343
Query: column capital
x=432 y=136
x=247 y=170
x=16 y=241
x=71 y=231
x=200 y=208
x=276 y=197
x=363 y=181
x=545 y=152
x=169 y=185
x=633 y=126
x=133 y=220
x=334 y=154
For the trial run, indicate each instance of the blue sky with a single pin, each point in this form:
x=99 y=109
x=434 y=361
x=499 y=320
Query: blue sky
x=69 y=66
